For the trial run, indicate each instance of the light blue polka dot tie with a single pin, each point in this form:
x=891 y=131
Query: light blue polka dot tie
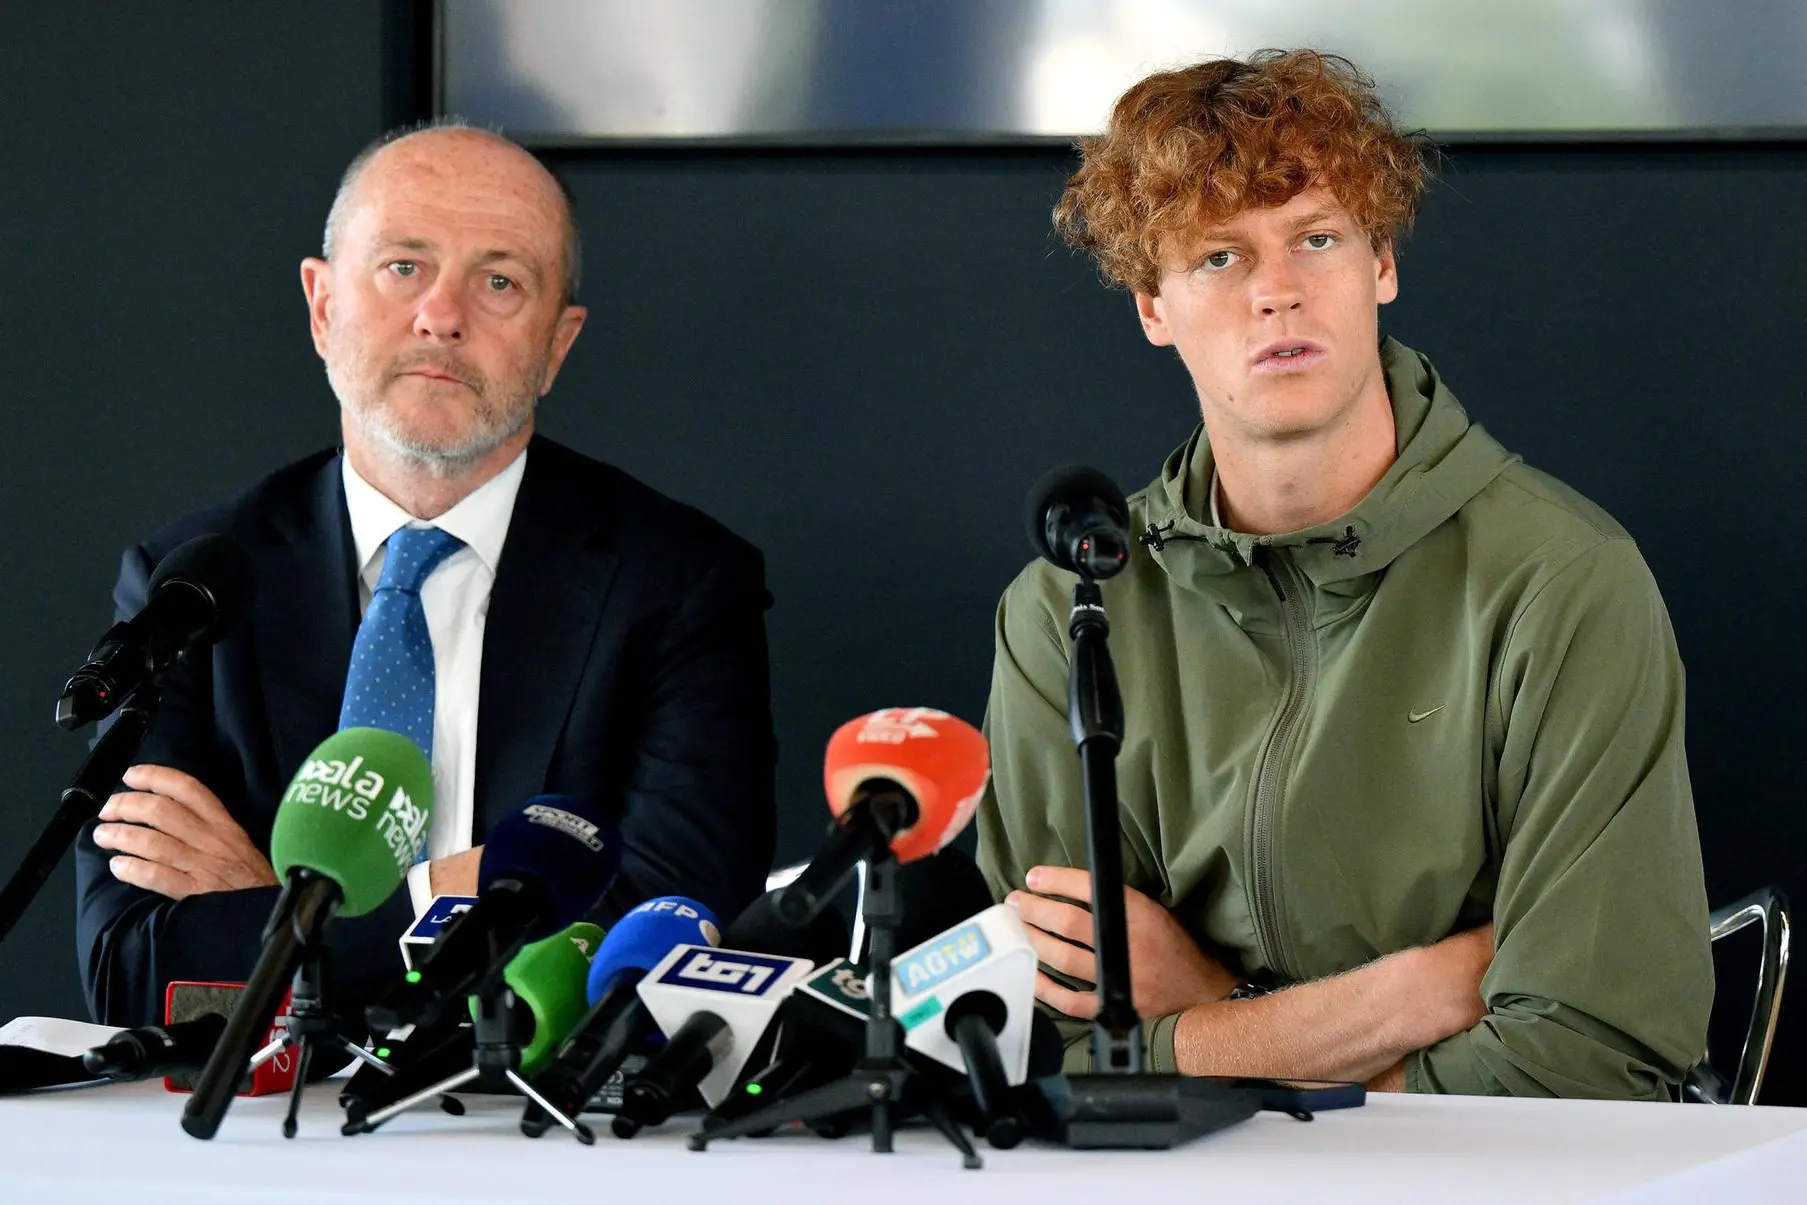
x=390 y=682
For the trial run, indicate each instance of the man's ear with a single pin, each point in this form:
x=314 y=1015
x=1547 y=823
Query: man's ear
x=317 y=286
x=1154 y=318
x=1386 y=282
x=564 y=334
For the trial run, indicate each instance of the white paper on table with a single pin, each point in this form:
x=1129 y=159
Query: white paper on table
x=54 y=1035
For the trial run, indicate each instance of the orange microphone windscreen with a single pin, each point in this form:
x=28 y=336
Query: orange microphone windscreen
x=939 y=759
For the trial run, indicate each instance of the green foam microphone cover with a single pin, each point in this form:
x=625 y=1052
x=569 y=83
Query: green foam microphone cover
x=357 y=813
x=549 y=977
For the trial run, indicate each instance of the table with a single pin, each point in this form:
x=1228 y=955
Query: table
x=121 y=1145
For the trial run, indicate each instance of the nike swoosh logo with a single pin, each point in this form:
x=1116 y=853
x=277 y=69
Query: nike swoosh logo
x=1412 y=717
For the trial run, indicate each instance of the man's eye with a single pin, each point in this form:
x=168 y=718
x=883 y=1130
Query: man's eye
x=1217 y=261
x=404 y=267
x=1320 y=242
x=499 y=283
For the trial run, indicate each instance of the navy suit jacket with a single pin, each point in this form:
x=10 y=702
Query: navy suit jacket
x=624 y=662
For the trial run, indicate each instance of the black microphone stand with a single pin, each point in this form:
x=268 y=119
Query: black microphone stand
x=1095 y=715
x=1119 y=1105
x=310 y=1025
x=883 y=1081
x=293 y=926
x=496 y=1067
x=109 y=759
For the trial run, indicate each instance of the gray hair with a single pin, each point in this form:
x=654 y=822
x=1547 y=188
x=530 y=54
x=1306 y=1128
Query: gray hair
x=572 y=251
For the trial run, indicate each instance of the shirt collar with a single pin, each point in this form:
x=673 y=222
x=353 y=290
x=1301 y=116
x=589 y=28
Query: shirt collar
x=480 y=520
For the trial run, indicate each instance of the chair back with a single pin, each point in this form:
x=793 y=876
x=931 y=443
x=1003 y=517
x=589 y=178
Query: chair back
x=1769 y=909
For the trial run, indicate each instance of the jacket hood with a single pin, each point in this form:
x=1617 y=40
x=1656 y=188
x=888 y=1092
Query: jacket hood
x=1444 y=460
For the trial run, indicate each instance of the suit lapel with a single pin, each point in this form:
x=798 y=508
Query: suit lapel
x=550 y=588
x=308 y=608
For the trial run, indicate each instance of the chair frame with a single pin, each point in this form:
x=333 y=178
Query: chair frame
x=1767 y=907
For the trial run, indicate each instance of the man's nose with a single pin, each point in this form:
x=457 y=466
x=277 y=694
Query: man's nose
x=441 y=314
x=1277 y=288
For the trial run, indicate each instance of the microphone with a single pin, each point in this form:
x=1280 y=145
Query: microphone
x=817 y=1037
x=447 y=1043
x=26 y=1069
x=965 y=998
x=716 y=1005
x=820 y=1030
x=905 y=780
x=542 y=869
x=1078 y=519
x=156 y=1049
x=348 y=827
x=547 y=978
x=197 y=594
x=416 y=1058
x=427 y=928
x=618 y=1021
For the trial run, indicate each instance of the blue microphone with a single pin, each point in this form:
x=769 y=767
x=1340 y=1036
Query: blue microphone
x=543 y=868
x=618 y=1022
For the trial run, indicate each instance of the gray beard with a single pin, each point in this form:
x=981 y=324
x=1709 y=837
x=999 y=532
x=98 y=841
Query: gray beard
x=494 y=426
x=438 y=460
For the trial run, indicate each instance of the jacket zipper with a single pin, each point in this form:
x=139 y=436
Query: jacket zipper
x=1270 y=782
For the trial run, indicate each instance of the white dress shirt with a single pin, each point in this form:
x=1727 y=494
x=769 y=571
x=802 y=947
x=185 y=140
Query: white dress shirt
x=456 y=599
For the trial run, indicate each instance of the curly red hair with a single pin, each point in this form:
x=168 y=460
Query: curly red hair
x=1187 y=149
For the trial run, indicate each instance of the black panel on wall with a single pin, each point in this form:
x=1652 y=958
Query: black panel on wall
x=859 y=361
x=166 y=168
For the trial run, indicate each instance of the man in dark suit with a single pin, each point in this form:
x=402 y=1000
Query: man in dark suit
x=589 y=636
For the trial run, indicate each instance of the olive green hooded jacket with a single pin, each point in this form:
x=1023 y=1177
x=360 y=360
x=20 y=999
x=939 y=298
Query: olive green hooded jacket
x=1459 y=702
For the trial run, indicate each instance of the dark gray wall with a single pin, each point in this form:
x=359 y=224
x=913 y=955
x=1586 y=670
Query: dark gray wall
x=858 y=361
x=165 y=168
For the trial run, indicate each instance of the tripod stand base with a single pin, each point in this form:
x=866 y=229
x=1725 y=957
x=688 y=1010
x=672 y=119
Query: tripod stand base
x=1132 y=1112
x=884 y=1092
x=508 y=1081
x=312 y=1028
x=496 y=1068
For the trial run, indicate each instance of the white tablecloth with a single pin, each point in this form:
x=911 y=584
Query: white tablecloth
x=122 y=1145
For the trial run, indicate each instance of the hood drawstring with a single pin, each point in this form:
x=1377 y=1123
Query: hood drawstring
x=1347 y=544
x=1155 y=538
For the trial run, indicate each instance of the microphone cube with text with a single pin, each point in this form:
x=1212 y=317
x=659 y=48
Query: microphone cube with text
x=718 y=1002
x=420 y=936
x=983 y=969
x=186 y=1000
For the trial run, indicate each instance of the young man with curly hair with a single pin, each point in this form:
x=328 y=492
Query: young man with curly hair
x=1403 y=790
